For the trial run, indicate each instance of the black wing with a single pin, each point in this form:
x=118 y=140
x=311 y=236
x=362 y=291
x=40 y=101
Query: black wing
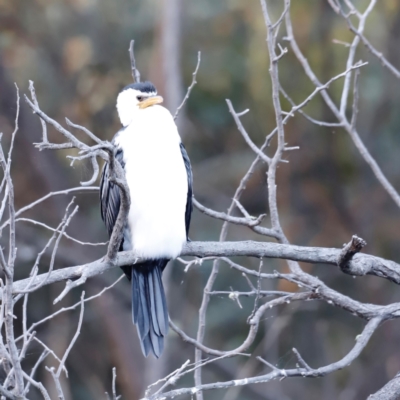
x=189 y=201
x=109 y=195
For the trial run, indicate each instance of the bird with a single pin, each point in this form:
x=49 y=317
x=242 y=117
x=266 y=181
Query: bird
x=159 y=177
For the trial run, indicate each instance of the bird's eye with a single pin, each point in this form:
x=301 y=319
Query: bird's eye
x=140 y=98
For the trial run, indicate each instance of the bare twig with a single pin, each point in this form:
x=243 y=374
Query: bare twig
x=63 y=225
x=57 y=382
x=361 y=342
x=95 y=166
x=16 y=127
x=83 y=129
x=350 y=58
x=114 y=390
x=9 y=277
x=35 y=102
x=57 y=230
x=135 y=71
x=73 y=307
x=360 y=36
x=345 y=123
x=32 y=374
x=169 y=379
x=245 y=135
x=253 y=322
x=250 y=222
x=49 y=195
x=355 y=100
x=78 y=331
x=261 y=293
x=301 y=360
x=50 y=351
x=355 y=245
x=61 y=367
x=190 y=88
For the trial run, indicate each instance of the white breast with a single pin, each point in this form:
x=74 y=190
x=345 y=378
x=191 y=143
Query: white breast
x=157 y=180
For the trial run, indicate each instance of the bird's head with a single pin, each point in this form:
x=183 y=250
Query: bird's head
x=134 y=98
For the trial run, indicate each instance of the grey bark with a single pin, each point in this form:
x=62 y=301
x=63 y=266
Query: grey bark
x=391 y=391
x=359 y=265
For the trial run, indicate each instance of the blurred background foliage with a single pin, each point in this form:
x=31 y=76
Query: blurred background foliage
x=76 y=53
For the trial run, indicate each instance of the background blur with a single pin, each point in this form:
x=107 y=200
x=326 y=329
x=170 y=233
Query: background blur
x=76 y=53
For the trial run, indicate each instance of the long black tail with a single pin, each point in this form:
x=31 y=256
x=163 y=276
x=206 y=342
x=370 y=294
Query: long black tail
x=149 y=306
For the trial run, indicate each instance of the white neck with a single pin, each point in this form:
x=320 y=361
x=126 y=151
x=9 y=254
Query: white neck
x=128 y=105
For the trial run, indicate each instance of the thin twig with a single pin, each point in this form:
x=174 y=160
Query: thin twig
x=83 y=129
x=189 y=90
x=49 y=195
x=114 y=390
x=362 y=341
x=50 y=351
x=245 y=135
x=57 y=230
x=135 y=71
x=73 y=307
x=42 y=357
x=35 y=102
x=359 y=34
x=78 y=331
x=355 y=100
x=345 y=123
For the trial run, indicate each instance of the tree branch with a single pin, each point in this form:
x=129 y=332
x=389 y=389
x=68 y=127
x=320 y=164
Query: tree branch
x=135 y=71
x=190 y=88
x=359 y=34
x=361 y=341
x=359 y=265
x=341 y=118
x=391 y=391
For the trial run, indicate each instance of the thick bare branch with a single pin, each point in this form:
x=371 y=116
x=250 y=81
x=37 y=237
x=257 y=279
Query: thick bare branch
x=360 y=264
x=9 y=277
x=391 y=391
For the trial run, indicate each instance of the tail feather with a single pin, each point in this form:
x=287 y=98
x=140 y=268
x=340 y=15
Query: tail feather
x=135 y=295
x=161 y=302
x=149 y=306
x=153 y=306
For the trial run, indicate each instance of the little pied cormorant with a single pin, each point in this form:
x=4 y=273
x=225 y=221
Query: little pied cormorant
x=159 y=176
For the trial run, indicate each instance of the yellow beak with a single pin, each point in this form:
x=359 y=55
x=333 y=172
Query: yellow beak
x=151 y=101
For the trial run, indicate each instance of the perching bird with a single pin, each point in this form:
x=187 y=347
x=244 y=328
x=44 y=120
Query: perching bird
x=159 y=176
